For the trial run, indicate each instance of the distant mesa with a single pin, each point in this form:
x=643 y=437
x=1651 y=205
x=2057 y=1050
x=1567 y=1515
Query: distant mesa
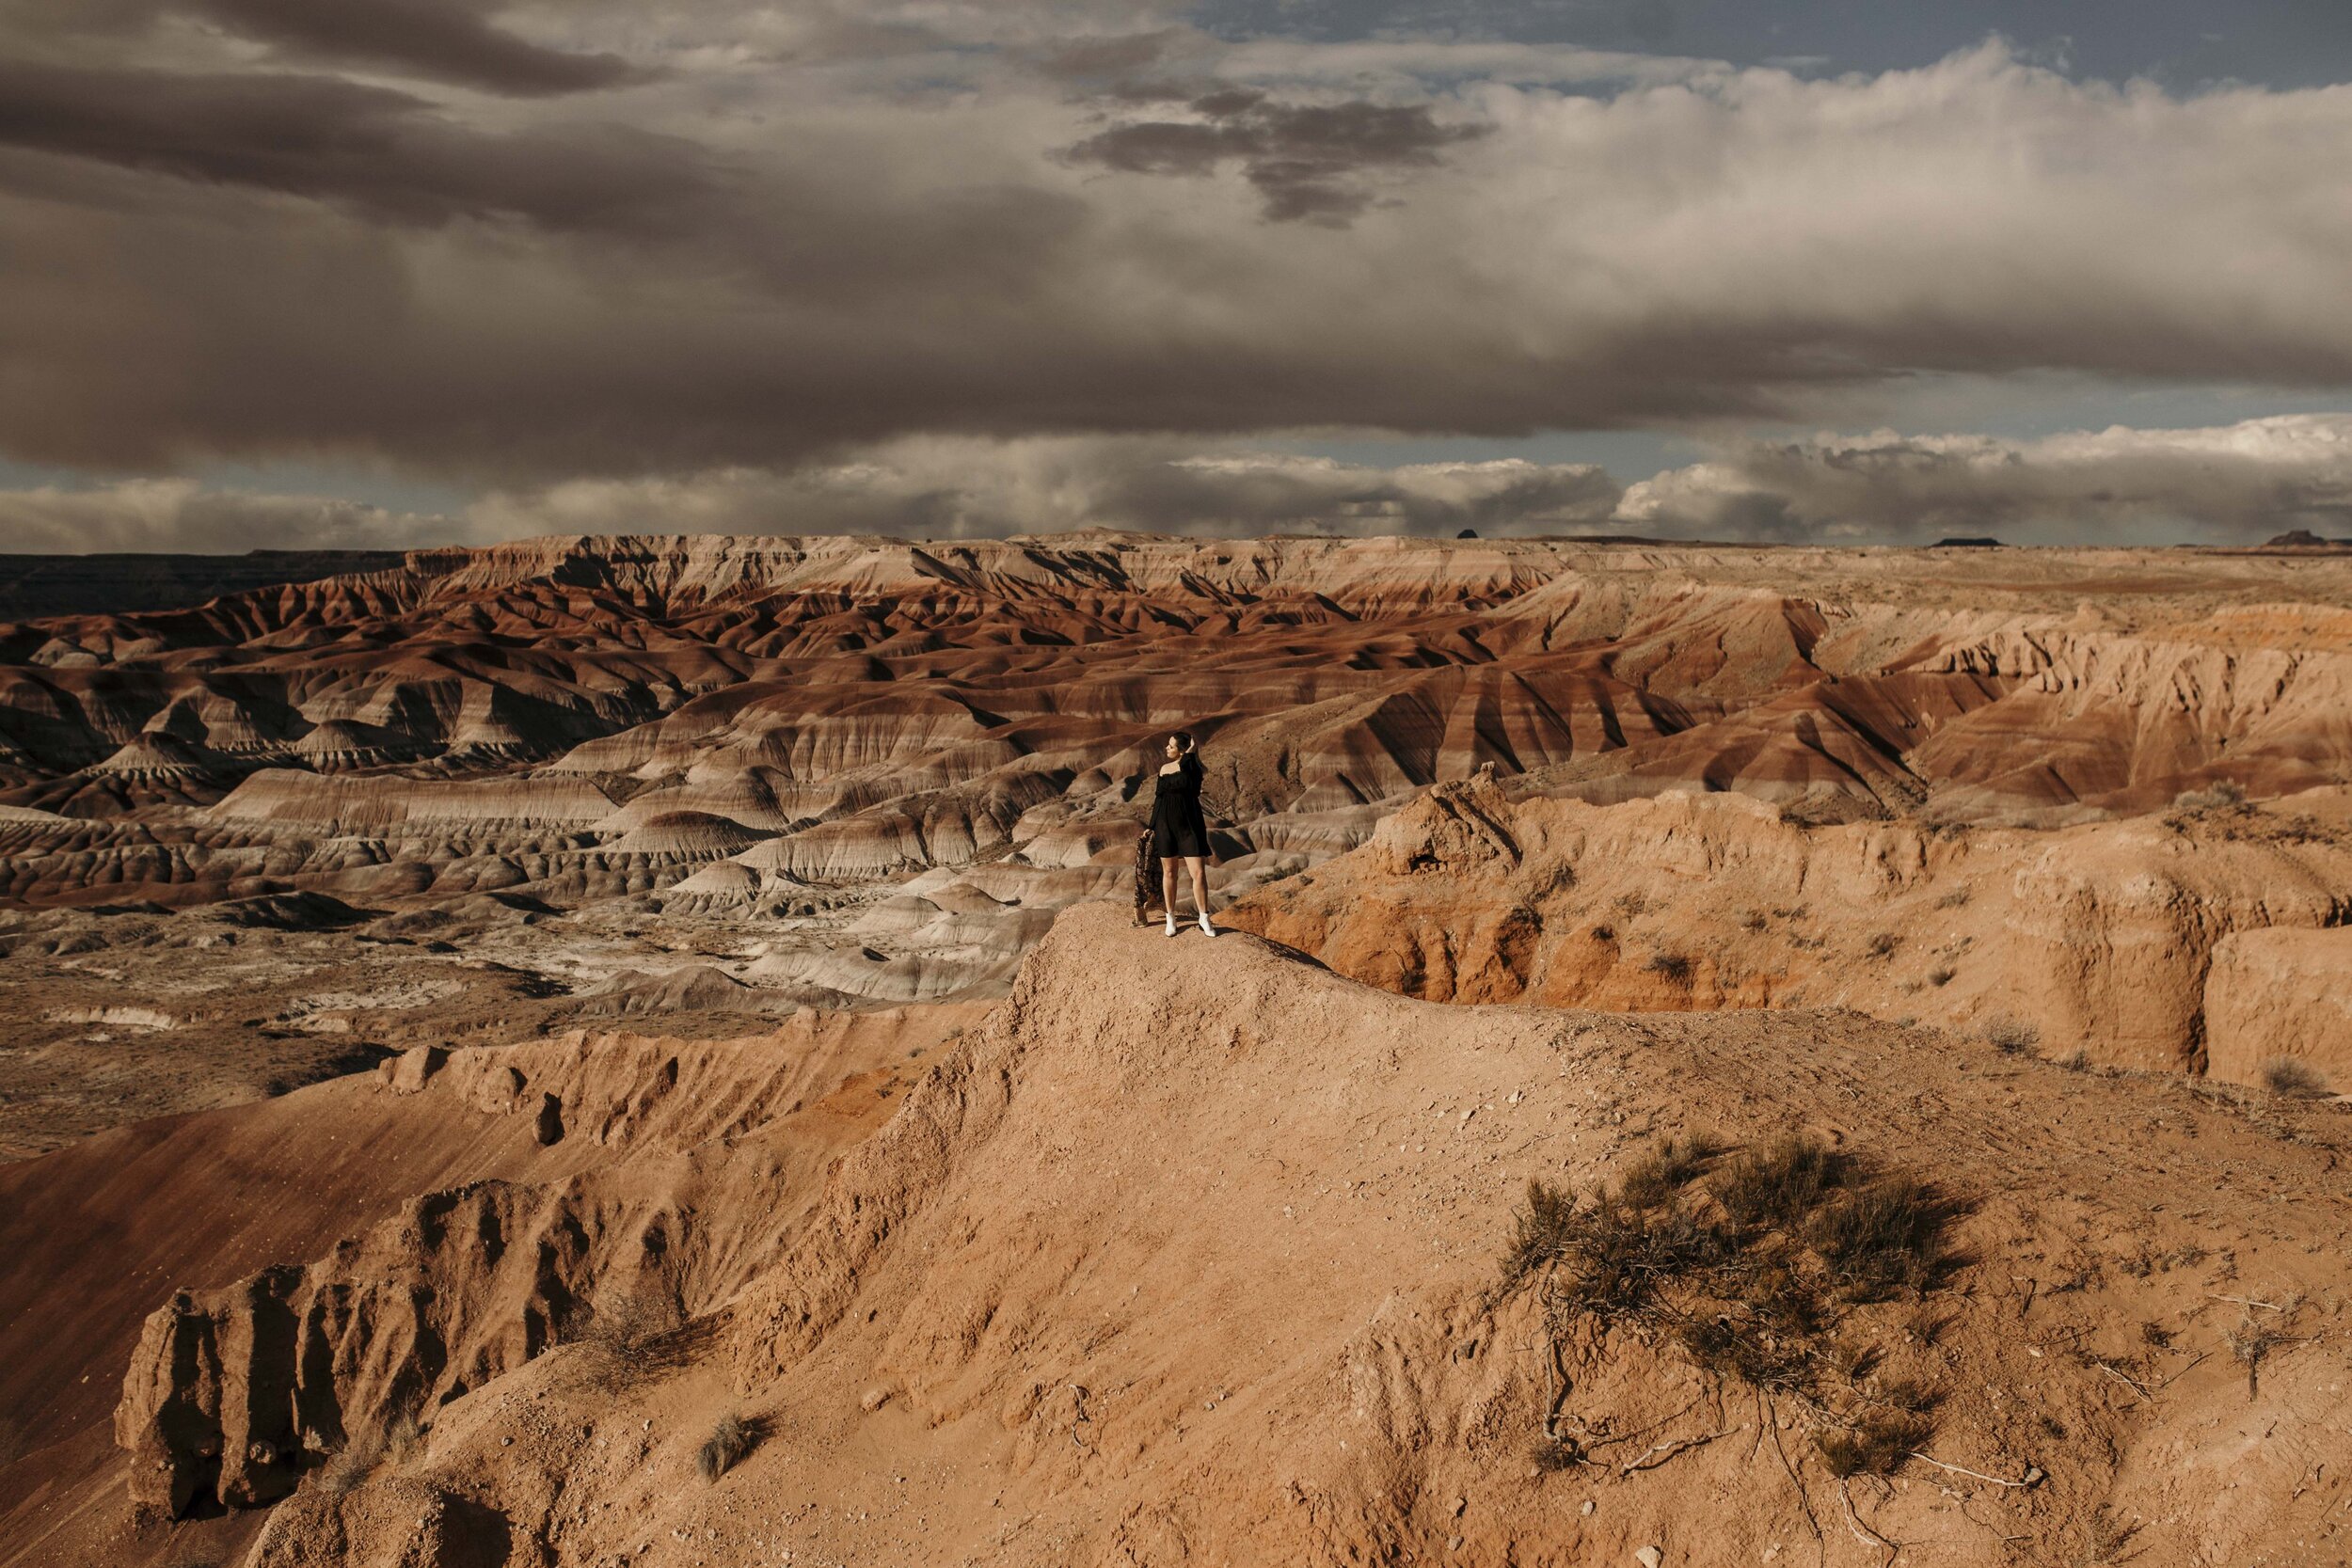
x=123 y=583
x=2304 y=539
x=1968 y=542
x=1467 y=533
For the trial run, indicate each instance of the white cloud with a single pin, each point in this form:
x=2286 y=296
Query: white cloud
x=181 y=514
x=2234 y=483
x=945 y=488
x=2226 y=485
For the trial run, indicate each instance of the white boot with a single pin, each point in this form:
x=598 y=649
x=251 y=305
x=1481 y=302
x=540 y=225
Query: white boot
x=1206 y=930
x=1171 y=923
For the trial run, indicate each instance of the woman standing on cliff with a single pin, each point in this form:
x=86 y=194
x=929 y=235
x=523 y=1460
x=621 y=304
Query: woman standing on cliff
x=1178 y=830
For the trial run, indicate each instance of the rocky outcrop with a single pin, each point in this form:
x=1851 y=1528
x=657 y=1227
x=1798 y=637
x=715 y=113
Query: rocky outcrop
x=2281 y=997
x=2096 y=938
x=234 y=1395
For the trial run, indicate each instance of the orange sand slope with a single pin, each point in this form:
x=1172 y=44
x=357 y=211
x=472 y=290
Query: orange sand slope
x=1183 y=1252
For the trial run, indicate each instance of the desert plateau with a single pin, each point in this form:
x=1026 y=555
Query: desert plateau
x=642 y=1049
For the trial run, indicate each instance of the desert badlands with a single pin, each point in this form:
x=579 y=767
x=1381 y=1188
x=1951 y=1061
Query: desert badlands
x=637 y=1050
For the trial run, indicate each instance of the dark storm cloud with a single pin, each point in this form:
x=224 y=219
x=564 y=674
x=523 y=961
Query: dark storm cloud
x=446 y=39
x=1303 y=159
x=368 y=147
x=1115 y=55
x=749 y=260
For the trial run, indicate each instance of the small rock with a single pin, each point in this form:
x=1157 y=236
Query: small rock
x=874 y=1399
x=1587 y=1508
x=1459 y=1504
x=415 y=1067
x=506 y=1441
x=1452 y=1542
x=1649 y=1557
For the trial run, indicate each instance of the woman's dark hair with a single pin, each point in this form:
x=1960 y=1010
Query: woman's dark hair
x=1183 y=740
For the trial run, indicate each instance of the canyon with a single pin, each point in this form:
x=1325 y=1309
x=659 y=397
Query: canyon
x=488 y=1023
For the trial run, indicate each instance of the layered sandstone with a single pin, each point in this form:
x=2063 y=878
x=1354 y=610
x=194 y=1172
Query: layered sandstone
x=1192 y=1255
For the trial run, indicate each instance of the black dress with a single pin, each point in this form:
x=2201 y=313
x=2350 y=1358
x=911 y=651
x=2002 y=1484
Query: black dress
x=1177 y=827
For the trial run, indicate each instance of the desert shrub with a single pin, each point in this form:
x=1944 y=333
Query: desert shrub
x=1666 y=1167
x=1851 y=1360
x=1907 y=1393
x=2010 y=1038
x=1956 y=899
x=1779 y=1184
x=1549 y=1454
x=728 y=1442
x=1750 y=920
x=1941 y=974
x=2294 y=1077
x=1884 y=943
x=2249 y=1343
x=1630 y=904
x=360 y=1456
x=618 y=1335
x=1876 y=1445
x=1670 y=966
x=2221 y=794
x=1756 y=1267
x=1883 y=1237
x=1542 y=1231
x=2077 y=1060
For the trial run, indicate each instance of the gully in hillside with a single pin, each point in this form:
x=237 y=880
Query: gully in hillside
x=1178 y=831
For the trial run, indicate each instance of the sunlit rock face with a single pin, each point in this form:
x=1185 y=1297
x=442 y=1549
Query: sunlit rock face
x=588 y=777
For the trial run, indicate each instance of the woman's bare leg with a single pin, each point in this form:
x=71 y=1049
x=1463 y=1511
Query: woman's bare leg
x=1200 y=883
x=1167 y=886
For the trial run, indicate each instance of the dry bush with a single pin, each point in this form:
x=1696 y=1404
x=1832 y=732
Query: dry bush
x=1876 y=1445
x=1884 y=1237
x=2293 y=1077
x=1883 y=944
x=1670 y=966
x=1756 y=1267
x=1906 y=1394
x=1941 y=974
x=2077 y=1060
x=617 y=1337
x=1956 y=899
x=1551 y=1455
x=2249 y=1342
x=1669 y=1165
x=1542 y=1232
x=2221 y=794
x=359 y=1457
x=728 y=1442
x=1780 y=1184
x=1851 y=1360
x=2012 y=1037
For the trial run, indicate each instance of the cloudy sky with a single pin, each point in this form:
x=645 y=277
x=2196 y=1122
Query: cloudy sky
x=302 y=273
